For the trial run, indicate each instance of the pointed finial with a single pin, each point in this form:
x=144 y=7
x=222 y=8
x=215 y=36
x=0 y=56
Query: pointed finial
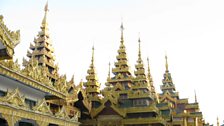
x=139 y=48
x=109 y=71
x=92 y=55
x=195 y=97
x=122 y=30
x=46 y=7
x=44 y=21
x=166 y=63
x=148 y=65
x=72 y=79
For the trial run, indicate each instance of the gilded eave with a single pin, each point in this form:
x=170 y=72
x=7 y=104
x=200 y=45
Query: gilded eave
x=150 y=120
x=151 y=108
x=29 y=82
x=9 y=39
x=182 y=101
x=192 y=106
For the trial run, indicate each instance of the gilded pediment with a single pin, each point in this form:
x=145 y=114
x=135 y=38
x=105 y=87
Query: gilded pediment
x=15 y=98
x=42 y=107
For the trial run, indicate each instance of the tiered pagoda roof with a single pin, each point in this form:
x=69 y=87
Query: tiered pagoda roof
x=150 y=80
x=122 y=74
x=181 y=110
x=140 y=80
x=92 y=85
x=168 y=88
x=42 y=49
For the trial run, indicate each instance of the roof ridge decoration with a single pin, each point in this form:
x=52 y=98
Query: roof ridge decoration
x=9 y=39
x=36 y=72
x=13 y=65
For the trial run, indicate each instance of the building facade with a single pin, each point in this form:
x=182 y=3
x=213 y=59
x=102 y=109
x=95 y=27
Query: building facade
x=37 y=95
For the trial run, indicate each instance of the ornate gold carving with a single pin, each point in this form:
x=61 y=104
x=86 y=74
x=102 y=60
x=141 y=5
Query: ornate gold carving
x=61 y=84
x=62 y=113
x=8 y=38
x=42 y=107
x=15 y=99
x=13 y=112
x=35 y=71
x=11 y=64
x=30 y=82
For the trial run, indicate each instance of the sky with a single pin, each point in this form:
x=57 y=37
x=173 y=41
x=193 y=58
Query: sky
x=189 y=31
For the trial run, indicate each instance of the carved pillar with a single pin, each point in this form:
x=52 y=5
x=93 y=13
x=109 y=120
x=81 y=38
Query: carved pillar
x=185 y=121
x=41 y=123
x=11 y=120
x=196 y=121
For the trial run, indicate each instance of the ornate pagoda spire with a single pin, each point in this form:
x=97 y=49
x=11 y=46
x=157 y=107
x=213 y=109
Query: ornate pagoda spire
x=92 y=85
x=122 y=70
x=140 y=70
x=44 y=21
x=42 y=49
x=108 y=77
x=168 y=86
x=141 y=84
x=195 y=97
x=149 y=76
x=122 y=33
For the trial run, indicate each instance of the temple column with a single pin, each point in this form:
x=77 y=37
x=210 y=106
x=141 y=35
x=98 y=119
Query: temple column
x=11 y=120
x=185 y=121
x=195 y=121
x=41 y=123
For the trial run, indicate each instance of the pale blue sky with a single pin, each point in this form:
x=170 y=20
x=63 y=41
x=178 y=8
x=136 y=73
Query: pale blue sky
x=191 y=31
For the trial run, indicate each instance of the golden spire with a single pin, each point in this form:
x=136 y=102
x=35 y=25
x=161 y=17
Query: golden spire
x=139 y=66
x=92 y=60
x=44 y=21
x=139 y=50
x=195 y=97
x=92 y=85
x=122 y=33
x=166 y=63
x=149 y=74
x=109 y=71
x=43 y=50
x=150 y=80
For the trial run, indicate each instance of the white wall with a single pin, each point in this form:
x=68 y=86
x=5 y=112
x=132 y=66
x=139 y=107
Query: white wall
x=29 y=92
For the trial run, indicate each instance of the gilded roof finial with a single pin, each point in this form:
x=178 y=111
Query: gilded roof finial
x=195 y=97
x=166 y=63
x=139 y=49
x=148 y=66
x=109 y=71
x=92 y=60
x=122 y=34
x=44 y=21
x=46 y=7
